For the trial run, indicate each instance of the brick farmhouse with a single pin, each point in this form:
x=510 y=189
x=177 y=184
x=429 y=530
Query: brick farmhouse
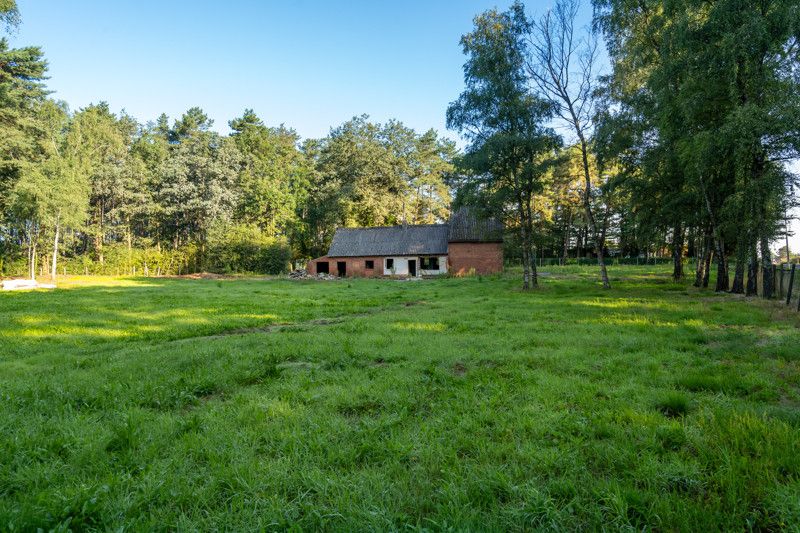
x=465 y=244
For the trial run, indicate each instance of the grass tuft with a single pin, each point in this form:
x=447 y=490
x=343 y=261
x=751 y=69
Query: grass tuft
x=673 y=404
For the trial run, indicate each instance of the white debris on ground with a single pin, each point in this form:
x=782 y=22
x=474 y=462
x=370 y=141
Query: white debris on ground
x=302 y=273
x=23 y=284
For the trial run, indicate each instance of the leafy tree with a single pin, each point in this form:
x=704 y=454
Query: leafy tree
x=710 y=90
x=273 y=175
x=9 y=14
x=369 y=174
x=99 y=142
x=195 y=184
x=510 y=149
x=430 y=163
x=52 y=194
x=22 y=92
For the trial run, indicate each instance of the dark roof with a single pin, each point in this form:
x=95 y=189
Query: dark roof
x=429 y=239
x=467 y=226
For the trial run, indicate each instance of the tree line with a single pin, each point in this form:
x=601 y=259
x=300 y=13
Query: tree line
x=683 y=146
x=99 y=192
x=680 y=149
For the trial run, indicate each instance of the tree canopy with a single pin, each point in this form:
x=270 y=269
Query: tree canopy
x=681 y=150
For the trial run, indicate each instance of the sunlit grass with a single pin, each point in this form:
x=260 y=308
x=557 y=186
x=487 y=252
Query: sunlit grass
x=461 y=404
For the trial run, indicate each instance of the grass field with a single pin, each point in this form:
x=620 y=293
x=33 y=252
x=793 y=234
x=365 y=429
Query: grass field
x=376 y=404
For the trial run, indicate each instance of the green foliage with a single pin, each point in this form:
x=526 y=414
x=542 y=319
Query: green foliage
x=369 y=174
x=511 y=148
x=703 y=107
x=239 y=249
x=9 y=14
x=22 y=91
x=274 y=175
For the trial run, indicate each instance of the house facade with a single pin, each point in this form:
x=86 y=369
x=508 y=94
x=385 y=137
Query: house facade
x=465 y=244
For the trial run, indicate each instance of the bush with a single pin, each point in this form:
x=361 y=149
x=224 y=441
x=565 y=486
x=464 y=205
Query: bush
x=240 y=249
x=236 y=249
x=118 y=259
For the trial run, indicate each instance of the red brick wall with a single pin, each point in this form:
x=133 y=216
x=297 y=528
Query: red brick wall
x=356 y=266
x=484 y=257
x=311 y=266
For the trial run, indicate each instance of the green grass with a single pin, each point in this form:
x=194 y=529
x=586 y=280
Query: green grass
x=377 y=404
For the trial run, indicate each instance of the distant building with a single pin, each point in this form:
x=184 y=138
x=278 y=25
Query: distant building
x=464 y=244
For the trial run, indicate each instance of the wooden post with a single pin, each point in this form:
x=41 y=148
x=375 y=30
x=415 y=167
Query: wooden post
x=774 y=275
x=791 y=284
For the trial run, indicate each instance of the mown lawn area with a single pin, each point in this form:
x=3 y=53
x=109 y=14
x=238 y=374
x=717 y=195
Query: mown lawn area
x=378 y=405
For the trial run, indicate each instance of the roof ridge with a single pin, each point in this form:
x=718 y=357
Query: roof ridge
x=396 y=226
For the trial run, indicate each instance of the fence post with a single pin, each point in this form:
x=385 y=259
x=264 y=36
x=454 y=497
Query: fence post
x=791 y=284
x=774 y=275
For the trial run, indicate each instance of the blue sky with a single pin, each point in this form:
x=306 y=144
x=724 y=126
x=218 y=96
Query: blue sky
x=308 y=64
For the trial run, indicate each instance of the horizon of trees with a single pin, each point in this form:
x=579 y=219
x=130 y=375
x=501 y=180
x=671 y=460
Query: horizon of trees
x=102 y=193
x=683 y=146
x=679 y=151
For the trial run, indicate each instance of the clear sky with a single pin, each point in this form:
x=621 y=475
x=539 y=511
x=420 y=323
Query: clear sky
x=308 y=64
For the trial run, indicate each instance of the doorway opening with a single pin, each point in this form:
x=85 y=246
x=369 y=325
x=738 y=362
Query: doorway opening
x=341 y=268
x=412 y=268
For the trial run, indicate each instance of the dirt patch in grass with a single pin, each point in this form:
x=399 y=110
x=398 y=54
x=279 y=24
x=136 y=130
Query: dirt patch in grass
x=273 y=328
x=200 y=275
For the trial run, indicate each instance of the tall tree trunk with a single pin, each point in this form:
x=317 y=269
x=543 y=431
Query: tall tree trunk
x=786 y=234
x=54 y=267
x=526 y=261
x=587 y=206
x=752 y=270
x=565 y=252
x=531 y=248
x=703 y=251
x=708 y=259
x=766 y=267
x=677 y=252
x=722 y=268
x=32 y=259
x=741 y=260
x=31 y=265
x=526 y=247
x=722 y=264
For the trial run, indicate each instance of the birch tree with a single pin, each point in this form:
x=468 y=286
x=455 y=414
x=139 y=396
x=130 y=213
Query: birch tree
x=510 y=148
x=562 y=65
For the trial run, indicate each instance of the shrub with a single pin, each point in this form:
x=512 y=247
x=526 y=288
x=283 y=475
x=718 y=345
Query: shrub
x=238 y=249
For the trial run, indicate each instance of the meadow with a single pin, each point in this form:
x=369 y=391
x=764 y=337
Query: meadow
x=450 y=404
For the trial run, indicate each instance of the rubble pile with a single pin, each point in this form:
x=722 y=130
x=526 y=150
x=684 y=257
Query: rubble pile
x=302 y=273
x=22 y=284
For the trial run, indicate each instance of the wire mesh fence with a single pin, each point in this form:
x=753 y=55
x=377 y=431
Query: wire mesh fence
x=590 y=261
x=787 y=284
